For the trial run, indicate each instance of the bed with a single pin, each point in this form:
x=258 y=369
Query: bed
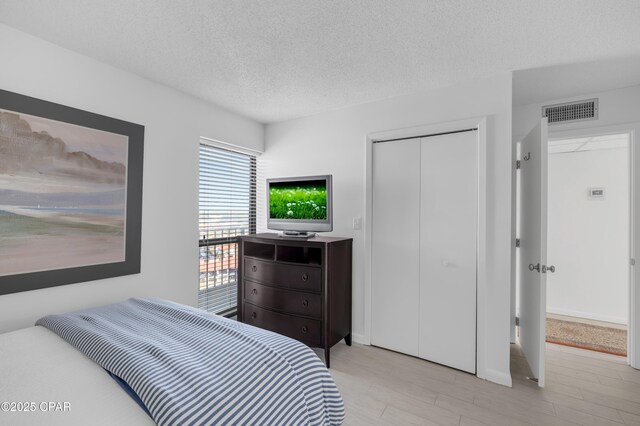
x=150 y=361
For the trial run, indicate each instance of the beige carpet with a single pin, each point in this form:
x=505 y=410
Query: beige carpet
x=587 y=336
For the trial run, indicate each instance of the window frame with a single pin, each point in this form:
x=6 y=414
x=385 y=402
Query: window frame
x=252 y=220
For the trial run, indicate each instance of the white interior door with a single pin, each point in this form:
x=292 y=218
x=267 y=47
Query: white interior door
x=533 y=248
x=448 y=249
x=396 y=245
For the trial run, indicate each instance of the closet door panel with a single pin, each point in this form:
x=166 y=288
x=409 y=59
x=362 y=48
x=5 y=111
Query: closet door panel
x=395 y=246
x=448 y=248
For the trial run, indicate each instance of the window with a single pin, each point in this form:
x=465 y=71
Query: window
x=227 y=210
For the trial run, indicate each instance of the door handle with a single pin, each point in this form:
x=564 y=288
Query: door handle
x=534 y=268
x=546 y=269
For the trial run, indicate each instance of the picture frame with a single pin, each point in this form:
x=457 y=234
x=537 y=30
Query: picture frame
x=70 y=195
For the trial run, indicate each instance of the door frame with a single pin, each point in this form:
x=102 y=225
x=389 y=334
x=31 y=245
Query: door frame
x=633 y=129
x=475 y=122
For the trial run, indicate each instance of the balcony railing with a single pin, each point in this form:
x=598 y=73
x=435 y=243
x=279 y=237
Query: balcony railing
x=218 y=273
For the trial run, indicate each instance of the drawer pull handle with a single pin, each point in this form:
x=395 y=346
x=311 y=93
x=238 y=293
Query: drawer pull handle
x=304 y=329
x=305 y=277
x=254 y=268
x=253 y=315
x=254 y=291
x=305 y=302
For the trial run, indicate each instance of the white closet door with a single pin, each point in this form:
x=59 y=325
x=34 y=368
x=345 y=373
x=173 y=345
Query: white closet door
x=395 y=245
x=448 y=249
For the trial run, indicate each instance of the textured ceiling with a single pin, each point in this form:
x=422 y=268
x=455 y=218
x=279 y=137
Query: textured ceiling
x=277 y=59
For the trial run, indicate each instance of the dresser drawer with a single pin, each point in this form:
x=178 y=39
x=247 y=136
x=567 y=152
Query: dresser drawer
x=287 y=301
x=307 y=331
x=307 y=278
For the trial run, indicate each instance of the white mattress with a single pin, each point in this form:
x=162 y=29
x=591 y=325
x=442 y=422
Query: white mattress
x=38 y=366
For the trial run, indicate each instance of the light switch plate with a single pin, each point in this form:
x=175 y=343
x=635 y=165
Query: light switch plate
x=357 y=223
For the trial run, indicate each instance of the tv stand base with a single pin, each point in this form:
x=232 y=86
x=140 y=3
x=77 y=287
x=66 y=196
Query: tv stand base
x=296 y=234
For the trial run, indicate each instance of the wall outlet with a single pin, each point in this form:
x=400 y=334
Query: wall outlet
x=357 y=223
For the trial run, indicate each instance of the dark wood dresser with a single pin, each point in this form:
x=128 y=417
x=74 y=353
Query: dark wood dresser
x=298 y=288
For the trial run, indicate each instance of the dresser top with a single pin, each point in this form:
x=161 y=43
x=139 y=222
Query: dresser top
x=277 y=237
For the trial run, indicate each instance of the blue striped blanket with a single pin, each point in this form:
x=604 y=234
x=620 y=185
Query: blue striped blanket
x=190 y=367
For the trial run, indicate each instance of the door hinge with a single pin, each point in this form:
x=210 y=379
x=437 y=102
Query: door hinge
x=518 y=165
x=633 y=262
x=517 y=321
x=517 y=242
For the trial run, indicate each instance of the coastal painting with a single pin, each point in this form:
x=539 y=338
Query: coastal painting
x=64 y=198
x=62 y=194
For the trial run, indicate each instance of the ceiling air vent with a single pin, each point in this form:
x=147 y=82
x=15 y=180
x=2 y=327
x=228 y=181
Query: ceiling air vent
x=571 y=111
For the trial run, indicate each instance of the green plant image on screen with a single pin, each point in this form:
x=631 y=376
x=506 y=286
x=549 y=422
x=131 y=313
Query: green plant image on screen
x=303 y=201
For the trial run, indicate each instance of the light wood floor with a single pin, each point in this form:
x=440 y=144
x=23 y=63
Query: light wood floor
x=381 y=387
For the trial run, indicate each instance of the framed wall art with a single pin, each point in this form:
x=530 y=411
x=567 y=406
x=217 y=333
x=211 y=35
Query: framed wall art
x=70 y=195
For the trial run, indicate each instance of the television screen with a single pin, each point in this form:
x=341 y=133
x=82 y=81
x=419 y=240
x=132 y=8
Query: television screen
x=300 y=205
x=298 y=200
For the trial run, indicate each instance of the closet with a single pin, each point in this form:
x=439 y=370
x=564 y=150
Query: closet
x=424 y=247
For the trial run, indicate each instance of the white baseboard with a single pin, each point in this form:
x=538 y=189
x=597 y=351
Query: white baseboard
x=587 y=315
x=359 y=338
x=498 y=377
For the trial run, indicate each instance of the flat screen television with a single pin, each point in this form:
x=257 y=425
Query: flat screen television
x=300 y=205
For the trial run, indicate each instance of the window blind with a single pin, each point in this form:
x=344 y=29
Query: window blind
x=227 y=209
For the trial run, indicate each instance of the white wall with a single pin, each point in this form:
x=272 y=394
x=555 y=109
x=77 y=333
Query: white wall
x=615 y=107
x=334 y=142
x=619 y=109
x=588 y=239
x=173 y=124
